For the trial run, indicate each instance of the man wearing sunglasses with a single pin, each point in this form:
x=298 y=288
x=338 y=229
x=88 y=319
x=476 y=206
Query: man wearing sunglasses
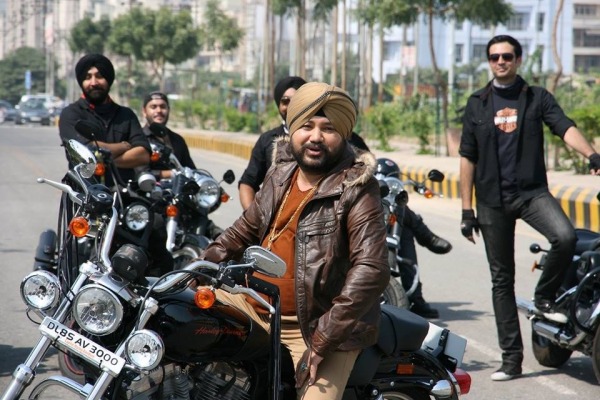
x=502 y=157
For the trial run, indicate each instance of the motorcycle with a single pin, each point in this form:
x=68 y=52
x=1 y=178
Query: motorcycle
x=191 y=195
x=578 y=299
x=394 y=199
x=157 y=338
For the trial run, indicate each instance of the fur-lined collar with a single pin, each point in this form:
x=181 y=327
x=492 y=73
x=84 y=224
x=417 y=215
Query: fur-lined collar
x=360 y=164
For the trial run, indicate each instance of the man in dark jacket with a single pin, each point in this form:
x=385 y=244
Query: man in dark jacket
x=502 y=157
x=320 y=210
x=156 y=109
x=119 y=130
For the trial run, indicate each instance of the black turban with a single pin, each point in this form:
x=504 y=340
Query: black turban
x=284 y=84
x=103 y=64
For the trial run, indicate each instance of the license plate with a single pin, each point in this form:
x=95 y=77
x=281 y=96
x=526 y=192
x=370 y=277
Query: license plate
x=35 y=119
x=82 y=346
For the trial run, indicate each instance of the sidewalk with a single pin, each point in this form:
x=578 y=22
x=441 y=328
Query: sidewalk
x=576 y=193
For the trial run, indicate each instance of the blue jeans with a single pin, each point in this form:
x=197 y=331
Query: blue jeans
x=544 y=214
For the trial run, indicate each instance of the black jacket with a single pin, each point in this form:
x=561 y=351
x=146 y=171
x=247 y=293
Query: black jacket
x=262 y=155
x=536 y=107
x=176 y=143
x=119 y=123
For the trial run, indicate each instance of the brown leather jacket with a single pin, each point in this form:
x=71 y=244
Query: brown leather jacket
x=341 y=254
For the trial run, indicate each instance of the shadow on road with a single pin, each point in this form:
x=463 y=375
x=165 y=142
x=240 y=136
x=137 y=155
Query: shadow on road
x=11 y=357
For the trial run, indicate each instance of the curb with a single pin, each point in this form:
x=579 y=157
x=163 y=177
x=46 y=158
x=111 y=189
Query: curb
x=580 y=204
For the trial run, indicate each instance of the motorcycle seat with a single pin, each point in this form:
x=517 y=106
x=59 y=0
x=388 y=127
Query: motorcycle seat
x=400 y=330
x=586 y=240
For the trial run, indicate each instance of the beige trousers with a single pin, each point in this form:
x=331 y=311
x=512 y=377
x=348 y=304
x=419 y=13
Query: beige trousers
x=333 y=371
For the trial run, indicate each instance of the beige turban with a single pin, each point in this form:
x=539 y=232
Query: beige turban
x=335 y=103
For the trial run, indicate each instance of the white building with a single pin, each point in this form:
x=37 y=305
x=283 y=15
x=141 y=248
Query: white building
x=45 y=24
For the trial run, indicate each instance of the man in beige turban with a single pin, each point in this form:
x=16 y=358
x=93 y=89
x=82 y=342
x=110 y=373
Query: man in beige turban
x=320 y=210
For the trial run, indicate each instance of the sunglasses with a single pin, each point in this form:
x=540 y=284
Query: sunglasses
x=505 y=56
x=284 y=101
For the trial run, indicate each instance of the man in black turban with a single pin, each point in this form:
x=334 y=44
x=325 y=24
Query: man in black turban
x=260 y=160
x=116 y=128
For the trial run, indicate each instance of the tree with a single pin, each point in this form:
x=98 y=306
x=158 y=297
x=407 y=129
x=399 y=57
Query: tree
x=483 y=12
x=155 y=36
x=88 y=36
x=220 y=32
x=12 y=73
x=386 y=13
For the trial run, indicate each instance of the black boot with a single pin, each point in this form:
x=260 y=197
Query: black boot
x=427 y=238
x=420 y=307
x=424 y=309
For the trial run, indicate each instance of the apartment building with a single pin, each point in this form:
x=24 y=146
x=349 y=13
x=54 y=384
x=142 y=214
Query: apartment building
x=45 y=24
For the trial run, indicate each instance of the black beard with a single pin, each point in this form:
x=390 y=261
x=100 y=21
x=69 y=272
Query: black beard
x=318 y=166
x=96 y=95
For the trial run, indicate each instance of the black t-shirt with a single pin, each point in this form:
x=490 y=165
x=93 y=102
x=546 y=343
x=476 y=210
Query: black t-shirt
x=176 y=143
x=506 y=118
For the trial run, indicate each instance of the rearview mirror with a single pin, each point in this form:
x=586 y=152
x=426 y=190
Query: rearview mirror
x=82 y=158
x=266 y=262
x=435 y=176
x=229 y=177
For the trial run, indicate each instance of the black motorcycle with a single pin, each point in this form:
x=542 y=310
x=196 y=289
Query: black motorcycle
x=142 y=338
x=190 y=196
x=394 y=199
x=578 y=299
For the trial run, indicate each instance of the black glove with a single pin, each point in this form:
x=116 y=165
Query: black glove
x=595 y=163
x=468 y=224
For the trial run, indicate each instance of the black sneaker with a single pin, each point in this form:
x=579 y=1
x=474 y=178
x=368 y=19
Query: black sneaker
x=506 y=373
x=423 y=309
x=546 y=308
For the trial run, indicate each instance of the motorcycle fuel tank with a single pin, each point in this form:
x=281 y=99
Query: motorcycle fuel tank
x=193 y=335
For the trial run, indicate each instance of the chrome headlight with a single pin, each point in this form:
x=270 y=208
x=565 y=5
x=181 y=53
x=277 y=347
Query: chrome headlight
x=40 y=290
x=137 y=217
x=209 y=192
x=97 y=310
x=144 y=349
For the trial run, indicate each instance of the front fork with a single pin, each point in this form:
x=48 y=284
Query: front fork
x=24 y=373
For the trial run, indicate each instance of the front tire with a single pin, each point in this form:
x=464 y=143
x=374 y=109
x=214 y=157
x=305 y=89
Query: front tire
x=549 y=354
x=394 y=294
x=596 y=354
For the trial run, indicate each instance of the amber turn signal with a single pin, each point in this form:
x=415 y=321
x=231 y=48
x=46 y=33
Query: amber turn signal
x=428 y=194
x=204 y=297
x=224 y=197
x=100 y=169
x=155 y=156
x=171 y=210
x=405 y=369
x=79 y=227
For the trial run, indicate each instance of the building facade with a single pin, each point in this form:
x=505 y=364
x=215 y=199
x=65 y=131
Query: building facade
x=45 y=24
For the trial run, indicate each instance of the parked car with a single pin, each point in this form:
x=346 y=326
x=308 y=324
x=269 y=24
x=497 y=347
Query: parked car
x=33 y=112
x=7 y=111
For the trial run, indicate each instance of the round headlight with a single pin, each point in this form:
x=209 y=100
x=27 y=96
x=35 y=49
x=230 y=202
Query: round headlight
x=40 y=290
x=137 y=217
x=144 y=349
x=97 y=310
x=209 y=192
